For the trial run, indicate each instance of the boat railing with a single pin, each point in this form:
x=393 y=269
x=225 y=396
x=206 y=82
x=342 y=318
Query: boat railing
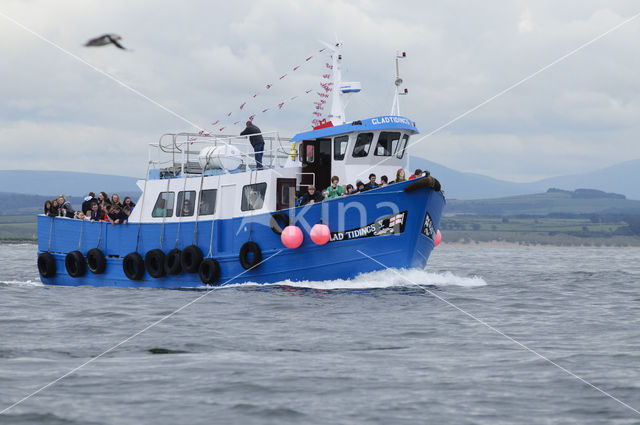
x=179 y=153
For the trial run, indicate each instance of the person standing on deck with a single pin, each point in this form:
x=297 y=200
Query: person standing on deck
x=256 y=141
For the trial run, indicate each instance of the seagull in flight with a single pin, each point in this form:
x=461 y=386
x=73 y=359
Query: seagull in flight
x=103 y=40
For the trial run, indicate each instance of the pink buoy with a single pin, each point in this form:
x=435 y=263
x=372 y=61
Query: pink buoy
x=320 y=234
x=438 y=238
x=291 y=237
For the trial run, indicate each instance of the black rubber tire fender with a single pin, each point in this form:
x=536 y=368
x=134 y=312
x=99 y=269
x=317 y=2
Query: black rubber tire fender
x=250 y=255
x=75 y=264
x=154 y=263
x=426 y=182
x=209 y=271
x=172 y=262
x=279 y=220
x=46 y=265
x=191 y=258
x=96 y=261
x=133 y=266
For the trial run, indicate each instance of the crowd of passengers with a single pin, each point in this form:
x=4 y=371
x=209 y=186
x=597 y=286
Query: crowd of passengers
x=100 y=208
x=335 y=190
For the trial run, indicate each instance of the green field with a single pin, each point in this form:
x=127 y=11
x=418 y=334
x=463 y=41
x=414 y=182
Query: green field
x=18 y=227
x=537 y=230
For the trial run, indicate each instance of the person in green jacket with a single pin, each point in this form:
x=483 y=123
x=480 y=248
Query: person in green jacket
x=334 y=190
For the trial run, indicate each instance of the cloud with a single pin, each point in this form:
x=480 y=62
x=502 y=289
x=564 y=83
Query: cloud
x=202 y=60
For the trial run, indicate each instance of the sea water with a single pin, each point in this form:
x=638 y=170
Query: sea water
x=484 y=335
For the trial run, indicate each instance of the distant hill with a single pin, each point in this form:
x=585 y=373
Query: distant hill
x=552 y=202
x=53 y=183
x=621 y=178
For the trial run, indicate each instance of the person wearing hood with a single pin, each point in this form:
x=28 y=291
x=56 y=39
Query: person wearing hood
x=86 y=204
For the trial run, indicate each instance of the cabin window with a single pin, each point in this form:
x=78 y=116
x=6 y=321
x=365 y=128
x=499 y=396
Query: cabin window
x=387 y=143
x=253 y=196
x=402 y=146
x=310 y=154
x=164 y=205
x=363 y=143
x=340 y=147
x=207 y=201
x=186 y=203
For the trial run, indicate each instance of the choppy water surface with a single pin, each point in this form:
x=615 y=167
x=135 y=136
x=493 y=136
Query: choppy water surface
x=375 y=350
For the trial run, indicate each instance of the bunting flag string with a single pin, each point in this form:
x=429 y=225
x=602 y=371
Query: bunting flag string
x=244 y=107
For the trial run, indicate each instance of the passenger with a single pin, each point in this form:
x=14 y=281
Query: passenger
x=416 y=175
x=127 y=212
x=65 y=207
x=86 y=204
x=54 y=211
x=115 y=200
x=128 y=203
x=312 y=196
x=95 y=212
x=187 y=210
x=359 y=187
x=372 y=182
x=349 y=190
x=256 y=141
x=400 y=176
x=103 y=197
x=115 y=214
x=79 y=215
x=384 y=181
x=159 y=210
x=334 y=190
x=106 y=210
x=47 y=207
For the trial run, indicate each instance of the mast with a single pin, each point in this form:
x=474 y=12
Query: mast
x=395 y=108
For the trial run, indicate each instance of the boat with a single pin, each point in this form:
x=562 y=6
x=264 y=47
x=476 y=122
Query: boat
x=236 y=234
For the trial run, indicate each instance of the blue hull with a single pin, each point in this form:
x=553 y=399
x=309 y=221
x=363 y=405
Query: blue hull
x=350 y=217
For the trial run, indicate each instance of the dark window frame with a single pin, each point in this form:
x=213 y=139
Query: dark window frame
x=402 y=146
x=169 y=211
x=215 y=196
x=261 y=188
x=191 y=199
x=393 y=148
x=337 y=142
x=365 y=147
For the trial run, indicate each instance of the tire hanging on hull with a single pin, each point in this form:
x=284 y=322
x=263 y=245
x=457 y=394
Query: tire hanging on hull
x=154 y=263
x=250 y=255
x=133 y=266
x=96 y=262
x=172 y=262
x=75 y=264
x=209 y=271
x=46 y=265
x=279 y=220
x=191 y=258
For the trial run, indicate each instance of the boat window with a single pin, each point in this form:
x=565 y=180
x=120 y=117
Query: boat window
x=340 y=147
x=207 y=201
x=253 y=196
x=310 y=154
x=363 y=143
x=164 y=205
x=186 y=203
x=286 y=189
x=387 y=143
x=402 y=146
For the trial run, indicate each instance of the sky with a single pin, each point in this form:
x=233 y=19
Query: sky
x=203 y=59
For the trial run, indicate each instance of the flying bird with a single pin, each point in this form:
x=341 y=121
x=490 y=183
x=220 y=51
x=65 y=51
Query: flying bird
x=103 y=40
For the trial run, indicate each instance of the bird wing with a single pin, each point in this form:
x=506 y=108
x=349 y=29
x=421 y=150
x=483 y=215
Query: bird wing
x=117 y=44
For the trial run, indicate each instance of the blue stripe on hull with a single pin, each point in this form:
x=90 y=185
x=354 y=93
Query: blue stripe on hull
x=334 y=260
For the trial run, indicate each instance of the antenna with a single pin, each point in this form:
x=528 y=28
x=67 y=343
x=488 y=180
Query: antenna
x=395 y=109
